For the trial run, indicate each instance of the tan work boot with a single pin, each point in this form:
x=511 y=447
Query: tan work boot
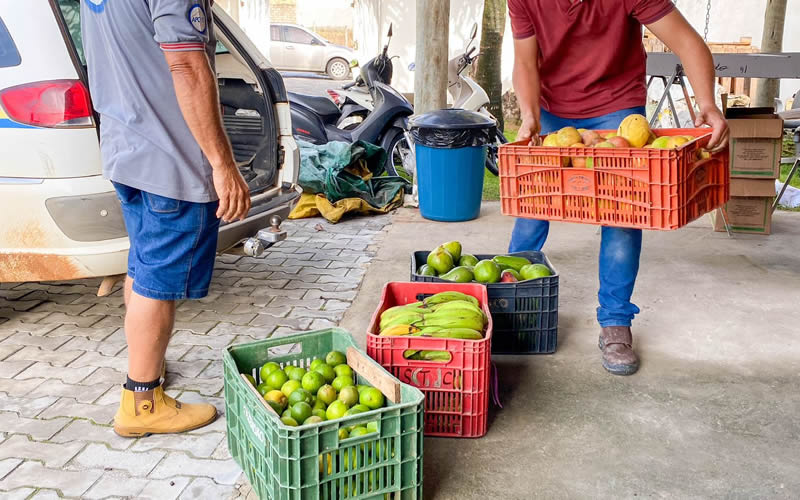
x=153 y=412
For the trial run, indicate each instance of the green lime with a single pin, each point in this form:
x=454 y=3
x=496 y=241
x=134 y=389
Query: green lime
x=301 y=411
x=355 y=410
x=327 y=394
x=342 y=381
x=289 y=421
x=326 y=371
x=319 y=413
x=349 y=396
x=372 y=426
x=263 y=388
x=300 y=395
x=335 y=358
x=343 y=371
x=360 y=388
x=359 y=431
x=336 y=410
x=297 y=373
x=289 y=387
x=343 y=434
x=372 y=398
x=286 y=413
x=312 y=381
x=276 y=378
x=314 y=364
x=250 y=379
x=361 y=408
x=319 y=405
x=267 y=369
x=313 y=419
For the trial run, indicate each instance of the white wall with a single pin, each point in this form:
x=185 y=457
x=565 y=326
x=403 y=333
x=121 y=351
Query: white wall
x=328 y=13
x=253 y=17
x=371 y=22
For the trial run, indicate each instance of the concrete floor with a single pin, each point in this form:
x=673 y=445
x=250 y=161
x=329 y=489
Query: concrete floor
x=714 y=411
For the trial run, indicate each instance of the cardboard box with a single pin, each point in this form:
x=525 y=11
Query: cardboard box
x=756 y=142
x=750 y=207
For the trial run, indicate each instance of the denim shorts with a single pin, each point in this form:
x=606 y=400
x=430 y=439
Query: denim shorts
x=173 y=244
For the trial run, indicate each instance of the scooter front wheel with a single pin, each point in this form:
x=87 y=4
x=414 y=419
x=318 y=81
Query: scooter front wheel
x=399 y=161
x=492 y=153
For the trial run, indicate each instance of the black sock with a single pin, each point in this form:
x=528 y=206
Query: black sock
x=135 y=386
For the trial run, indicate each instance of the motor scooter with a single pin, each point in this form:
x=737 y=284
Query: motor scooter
x=318 y=119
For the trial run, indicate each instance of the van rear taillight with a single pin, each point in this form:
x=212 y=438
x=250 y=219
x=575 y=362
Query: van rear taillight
x=56 y=103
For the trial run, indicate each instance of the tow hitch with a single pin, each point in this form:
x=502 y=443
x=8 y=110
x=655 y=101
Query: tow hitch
x=265 y=238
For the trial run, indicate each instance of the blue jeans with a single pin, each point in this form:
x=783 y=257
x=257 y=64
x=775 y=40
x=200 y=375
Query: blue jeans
x=619 y=248
x=173 y=244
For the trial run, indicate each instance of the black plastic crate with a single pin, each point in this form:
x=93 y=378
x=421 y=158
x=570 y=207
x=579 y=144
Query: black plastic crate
x=525 y=313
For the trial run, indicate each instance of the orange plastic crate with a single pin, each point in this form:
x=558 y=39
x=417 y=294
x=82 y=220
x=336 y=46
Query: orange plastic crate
x=633 y=187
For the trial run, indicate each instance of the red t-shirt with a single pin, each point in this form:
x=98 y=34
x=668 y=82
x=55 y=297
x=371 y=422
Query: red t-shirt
x=591 y=57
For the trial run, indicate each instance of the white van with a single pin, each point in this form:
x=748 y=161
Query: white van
x=59 y=219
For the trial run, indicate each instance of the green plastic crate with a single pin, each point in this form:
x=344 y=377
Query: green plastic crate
x=310 y=461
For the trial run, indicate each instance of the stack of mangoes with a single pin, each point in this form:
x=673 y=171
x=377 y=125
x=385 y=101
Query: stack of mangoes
x=448 y=263
x=633 y=132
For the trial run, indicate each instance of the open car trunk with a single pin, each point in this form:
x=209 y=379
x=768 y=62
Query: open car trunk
x=248 y=116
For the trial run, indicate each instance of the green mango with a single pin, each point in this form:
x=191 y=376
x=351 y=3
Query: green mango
x=487 y=271
x=534 y=271
x=458 y=275
x=467 y=260
x=454 y=247
x=511 y=262
x=441 y=261
x=426 y=270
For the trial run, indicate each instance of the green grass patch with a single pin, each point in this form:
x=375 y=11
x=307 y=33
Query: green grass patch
x=491 y=184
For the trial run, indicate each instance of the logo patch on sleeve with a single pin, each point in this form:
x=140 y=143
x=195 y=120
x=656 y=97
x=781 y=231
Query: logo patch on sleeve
x=197 y=16
x=96 y=5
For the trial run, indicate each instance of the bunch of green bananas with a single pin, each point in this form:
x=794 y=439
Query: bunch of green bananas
x=446 y=314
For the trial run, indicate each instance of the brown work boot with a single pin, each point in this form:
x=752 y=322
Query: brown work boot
x=153 y=412
x=616 y=342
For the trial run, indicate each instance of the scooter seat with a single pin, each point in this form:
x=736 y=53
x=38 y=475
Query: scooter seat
x=322 y=106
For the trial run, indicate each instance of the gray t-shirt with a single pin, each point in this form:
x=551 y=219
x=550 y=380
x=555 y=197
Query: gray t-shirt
x=144 y=140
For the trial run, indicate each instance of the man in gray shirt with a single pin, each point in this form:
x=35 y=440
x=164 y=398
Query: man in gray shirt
x=151 y=77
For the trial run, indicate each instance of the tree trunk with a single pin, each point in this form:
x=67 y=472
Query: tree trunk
x=771 y=42
x=488 y=74
x=430 y=74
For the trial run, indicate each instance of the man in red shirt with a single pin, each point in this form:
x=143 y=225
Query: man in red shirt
x=581 y=63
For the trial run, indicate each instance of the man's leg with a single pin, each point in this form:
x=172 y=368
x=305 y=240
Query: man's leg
x=528 y=234
x=619 y=264
x=148 y=325
x=171 y=258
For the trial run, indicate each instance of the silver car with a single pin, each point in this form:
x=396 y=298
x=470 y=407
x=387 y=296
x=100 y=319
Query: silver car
x=295 y=48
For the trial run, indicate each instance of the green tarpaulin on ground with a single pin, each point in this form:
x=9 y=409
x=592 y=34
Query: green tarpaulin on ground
x=342 y=171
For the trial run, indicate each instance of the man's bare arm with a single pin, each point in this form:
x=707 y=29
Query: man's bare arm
x=196 y=88
x=527 y=87
x=681 y=38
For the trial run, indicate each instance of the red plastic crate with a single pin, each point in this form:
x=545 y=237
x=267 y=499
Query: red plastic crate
x=639 y=188
x=456 y=392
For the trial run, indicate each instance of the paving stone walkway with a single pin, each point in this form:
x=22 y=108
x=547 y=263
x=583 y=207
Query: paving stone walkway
x=63 y=358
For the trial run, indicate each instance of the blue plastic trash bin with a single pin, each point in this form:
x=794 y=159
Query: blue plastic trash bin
x=451 y=146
